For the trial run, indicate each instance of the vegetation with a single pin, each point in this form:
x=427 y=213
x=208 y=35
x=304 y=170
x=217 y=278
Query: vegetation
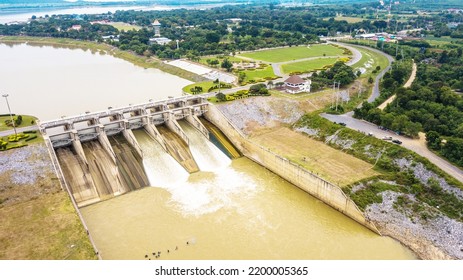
x=20 y=121
x=294 y=53
x=308 y=65
x=384 y=156
x=431 y=105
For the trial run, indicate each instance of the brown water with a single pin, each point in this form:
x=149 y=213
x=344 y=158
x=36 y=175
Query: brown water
x=49 y=82
x=237 y=210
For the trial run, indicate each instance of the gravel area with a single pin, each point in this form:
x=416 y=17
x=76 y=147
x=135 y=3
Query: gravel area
x=438 y=237
x=424 y=175
x=308 y=131
x=25 y=173
x=261 y=111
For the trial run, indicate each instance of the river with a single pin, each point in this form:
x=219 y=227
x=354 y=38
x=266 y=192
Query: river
x=229 y=210
x=232 y=209
x=50 y=82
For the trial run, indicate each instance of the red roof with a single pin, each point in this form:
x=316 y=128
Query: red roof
x=295 y=79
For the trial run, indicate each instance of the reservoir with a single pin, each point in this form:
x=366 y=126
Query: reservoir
x=50 y=82
x=230 y=209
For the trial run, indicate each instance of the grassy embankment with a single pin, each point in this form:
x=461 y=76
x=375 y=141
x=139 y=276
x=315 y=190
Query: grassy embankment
x=21 y=139
x=384 y=156
x=104 y=48
x=38 y=218
x=26 y=121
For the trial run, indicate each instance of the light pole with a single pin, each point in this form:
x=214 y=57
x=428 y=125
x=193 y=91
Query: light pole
x=9 y=110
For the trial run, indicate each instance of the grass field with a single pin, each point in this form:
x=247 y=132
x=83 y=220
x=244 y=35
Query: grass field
x=333 y=165
x=205 y=85
x=259 y=73
x=204 y=59
x=293 y=53
x=27 y=121
x=367 y=57
x=307 y=66
x=122 y=26
x=46 y=228
x=348 y=19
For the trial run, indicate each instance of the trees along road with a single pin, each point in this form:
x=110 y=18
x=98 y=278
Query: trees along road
x=416 y=145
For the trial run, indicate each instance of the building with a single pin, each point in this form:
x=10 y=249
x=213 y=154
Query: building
x=160 y=41
x=157 y=28
x=295 y=84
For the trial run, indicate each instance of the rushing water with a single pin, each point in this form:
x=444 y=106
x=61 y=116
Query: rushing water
x=50 y=82
x=237 y=210
x=229 y=210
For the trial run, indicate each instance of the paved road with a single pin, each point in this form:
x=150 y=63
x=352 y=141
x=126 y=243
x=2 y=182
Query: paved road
x=418 y=146
x=18 y=130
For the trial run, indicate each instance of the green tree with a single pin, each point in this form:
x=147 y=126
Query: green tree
x=433 y=138
x=227 y=65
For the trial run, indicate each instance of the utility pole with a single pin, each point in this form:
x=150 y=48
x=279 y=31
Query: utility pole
x=11 y=116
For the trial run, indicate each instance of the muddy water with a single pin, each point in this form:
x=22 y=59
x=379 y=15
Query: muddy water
x=238 y=210
x=71 y=81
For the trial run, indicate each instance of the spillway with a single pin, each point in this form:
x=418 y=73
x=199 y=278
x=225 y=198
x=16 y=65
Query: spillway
x=104 y=171
x=129 y=163
x=207 y=155
x=161 y=168
x=220 y=140
x=77 y=177
x=178 y=149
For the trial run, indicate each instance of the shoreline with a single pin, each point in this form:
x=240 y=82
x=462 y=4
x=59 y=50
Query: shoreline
x=145 y=62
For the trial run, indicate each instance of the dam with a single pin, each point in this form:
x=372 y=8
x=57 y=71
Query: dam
x=184 y=197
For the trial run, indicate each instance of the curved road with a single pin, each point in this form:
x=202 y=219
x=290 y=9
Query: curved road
x=418 y=146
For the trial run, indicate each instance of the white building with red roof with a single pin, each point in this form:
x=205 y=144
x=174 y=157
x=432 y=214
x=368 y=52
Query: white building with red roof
x=295 y=84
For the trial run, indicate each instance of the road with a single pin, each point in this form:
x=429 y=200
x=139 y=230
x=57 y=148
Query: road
x=18 y=130
x=416 y=145
x=407 y=85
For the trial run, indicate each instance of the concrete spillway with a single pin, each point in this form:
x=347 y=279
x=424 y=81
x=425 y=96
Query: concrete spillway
x=177 y=147
x=78 y=177
x=207 y=156
x=129 y=163
x=220 y=140
x=104 y=171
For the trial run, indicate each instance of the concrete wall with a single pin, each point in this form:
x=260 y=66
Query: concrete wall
x=307 y=181
x=65 y=187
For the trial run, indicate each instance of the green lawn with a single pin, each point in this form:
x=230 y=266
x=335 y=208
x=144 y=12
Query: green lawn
x=27 y=121
x=203 y=60
x=122 y=26
x=259 y=73
x=367 y=57
x=307 y=66
x=292 y=53
x=348 y=19
x=205 y=85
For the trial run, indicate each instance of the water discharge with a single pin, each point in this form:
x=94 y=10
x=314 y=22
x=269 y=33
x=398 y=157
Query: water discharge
x=235 y=210
x=207 y=155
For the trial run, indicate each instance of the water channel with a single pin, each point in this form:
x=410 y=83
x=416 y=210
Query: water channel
x=231 y=209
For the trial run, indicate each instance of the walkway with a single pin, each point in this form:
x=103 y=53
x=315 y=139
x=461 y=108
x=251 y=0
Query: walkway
x=18 y=130
x=407 y=85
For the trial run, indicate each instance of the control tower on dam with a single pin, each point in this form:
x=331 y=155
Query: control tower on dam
x=97 y=155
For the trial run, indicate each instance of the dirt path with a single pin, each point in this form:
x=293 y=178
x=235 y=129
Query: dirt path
x=407 y=85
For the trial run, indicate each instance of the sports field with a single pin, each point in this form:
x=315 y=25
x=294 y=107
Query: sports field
x=122 y=26
x=308 y=65
x=293 y=53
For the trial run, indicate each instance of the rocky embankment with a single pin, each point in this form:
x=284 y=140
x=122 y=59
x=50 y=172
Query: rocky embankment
x=431 y=236
x=25 y=174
